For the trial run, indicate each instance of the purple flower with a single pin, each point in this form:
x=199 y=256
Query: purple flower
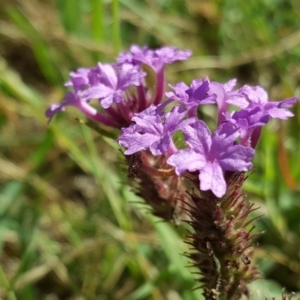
x=106 y=84
x=256 y=112
x=75 y=99
x=79 y=78
x=167 y=55
x=134 y=56
x=109 y=84
x=155 y=58
x=246 y=121
x=222 y=92
x=278 y=109
x=211 y=155
x=153 y=132
x=192 y=96
x=71 y=99
x=251 y=97
x=152 y=110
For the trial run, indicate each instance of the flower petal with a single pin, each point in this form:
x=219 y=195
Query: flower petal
x=186 y=160
x=211 y=178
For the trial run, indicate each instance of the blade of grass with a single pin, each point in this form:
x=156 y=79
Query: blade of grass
x=11 y=83
x=38 y=43
x=71 y=12
x=101 y=171
x=98 y=20
x=116 y=26
x=6 y=285
x=96 y=164
x=172 y=245
x=270 y=169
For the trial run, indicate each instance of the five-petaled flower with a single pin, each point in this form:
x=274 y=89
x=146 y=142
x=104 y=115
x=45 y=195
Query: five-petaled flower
x=211 y=155
x=192 y=96
x=153 y=131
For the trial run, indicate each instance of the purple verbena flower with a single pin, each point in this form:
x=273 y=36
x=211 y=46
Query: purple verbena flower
x=223 y=92
x=106 y=84
x=192 y=96
x=250 y=97
x=246 y=121
x=153 y=132
x=79 y=78
x=167 y=55
x=134 y=56
x=211 y=155
x=156 y=59
x=109 y=84
x=75 y=99
x=279 y=109
x=256 y=112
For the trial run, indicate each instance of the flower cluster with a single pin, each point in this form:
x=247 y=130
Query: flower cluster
x=147 y=125
x=111 y=86
x=159 y=159
x=229 y=148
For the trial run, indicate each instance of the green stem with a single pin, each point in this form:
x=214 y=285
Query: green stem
x=98 y=20
x=5 y=283
x=116 y=26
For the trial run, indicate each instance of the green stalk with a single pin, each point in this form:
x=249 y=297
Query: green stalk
x=5 y=283
x=98 y=20
x=116 y=26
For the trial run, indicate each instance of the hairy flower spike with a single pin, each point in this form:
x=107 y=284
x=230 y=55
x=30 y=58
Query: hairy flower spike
x=222 y=244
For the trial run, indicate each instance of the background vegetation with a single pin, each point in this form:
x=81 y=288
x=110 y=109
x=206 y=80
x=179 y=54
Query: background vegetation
x=69 y=226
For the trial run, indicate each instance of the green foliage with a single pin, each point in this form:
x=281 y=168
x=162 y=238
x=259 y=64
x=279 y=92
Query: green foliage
x=70 y=228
